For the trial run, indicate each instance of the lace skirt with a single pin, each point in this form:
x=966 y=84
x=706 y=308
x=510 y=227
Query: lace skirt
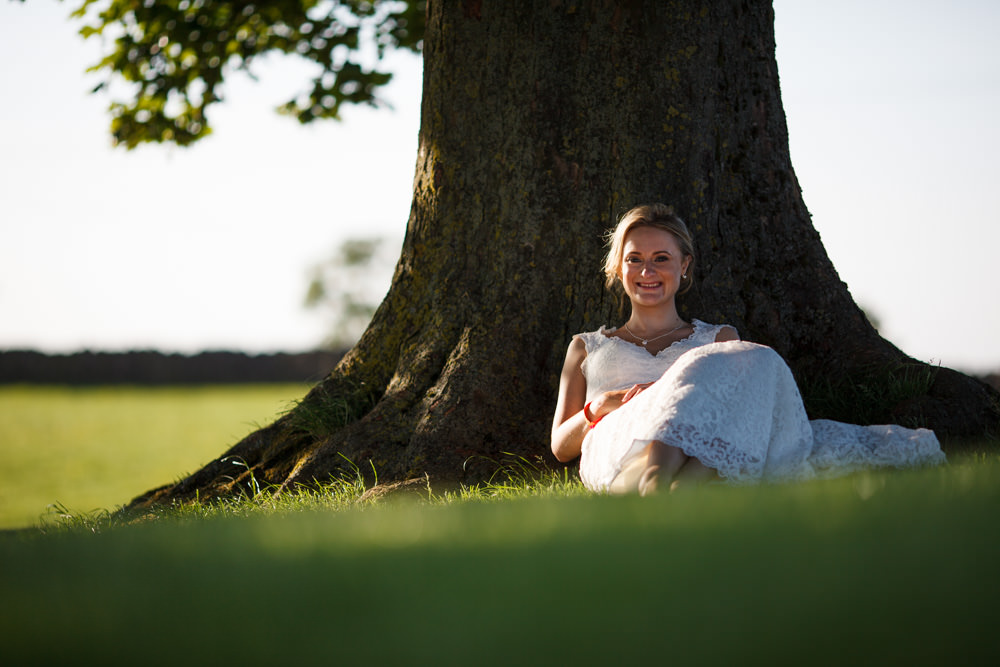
x=736 y=408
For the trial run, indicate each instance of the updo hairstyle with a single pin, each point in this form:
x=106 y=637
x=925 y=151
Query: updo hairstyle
x=659 y=216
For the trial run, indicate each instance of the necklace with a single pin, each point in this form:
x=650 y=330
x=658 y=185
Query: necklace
x=647 y=340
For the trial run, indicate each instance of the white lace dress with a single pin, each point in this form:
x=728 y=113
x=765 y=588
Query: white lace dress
x=734 y=406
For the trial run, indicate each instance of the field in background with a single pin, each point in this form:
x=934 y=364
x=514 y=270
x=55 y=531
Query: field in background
x=99 y=447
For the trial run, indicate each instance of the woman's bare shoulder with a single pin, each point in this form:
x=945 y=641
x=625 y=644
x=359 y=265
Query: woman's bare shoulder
x=726 y=333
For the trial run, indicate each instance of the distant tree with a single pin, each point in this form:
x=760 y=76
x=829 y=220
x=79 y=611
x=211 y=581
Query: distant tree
x=348 y=286
x=540 y=123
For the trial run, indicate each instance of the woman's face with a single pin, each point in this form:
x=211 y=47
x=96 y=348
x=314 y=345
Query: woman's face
x=652 y=266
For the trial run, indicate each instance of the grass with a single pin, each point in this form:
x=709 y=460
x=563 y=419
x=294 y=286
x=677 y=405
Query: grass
x=89 y=448
x=875 y=568
x=869 y=395
x=878 y=567
x=329 y=406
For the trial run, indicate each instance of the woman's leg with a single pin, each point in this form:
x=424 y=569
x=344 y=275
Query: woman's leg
x=669 y=465
x=693 y=472
x=663 y=462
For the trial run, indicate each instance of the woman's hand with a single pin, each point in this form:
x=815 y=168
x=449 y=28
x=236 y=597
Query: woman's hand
x=610 y=401
x=635 y=391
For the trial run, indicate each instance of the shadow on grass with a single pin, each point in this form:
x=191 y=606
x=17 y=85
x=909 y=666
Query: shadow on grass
x=877 y=567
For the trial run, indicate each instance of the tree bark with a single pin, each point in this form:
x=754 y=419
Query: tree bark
x=541 y=123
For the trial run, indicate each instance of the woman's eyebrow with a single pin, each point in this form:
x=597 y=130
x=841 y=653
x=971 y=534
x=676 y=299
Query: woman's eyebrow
x=655 y=252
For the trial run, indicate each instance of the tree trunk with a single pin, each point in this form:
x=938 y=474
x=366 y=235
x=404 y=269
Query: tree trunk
x=541 y=123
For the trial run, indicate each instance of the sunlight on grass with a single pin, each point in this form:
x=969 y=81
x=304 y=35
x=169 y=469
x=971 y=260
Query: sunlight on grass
x=878 y=567
x=89 y=448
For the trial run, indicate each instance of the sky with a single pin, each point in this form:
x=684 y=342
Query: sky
x=890 y=107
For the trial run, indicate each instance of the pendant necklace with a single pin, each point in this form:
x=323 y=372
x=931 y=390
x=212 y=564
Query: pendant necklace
x=648 y=340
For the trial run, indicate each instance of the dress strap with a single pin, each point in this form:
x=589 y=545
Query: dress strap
x=594 y=339
x=705 y=333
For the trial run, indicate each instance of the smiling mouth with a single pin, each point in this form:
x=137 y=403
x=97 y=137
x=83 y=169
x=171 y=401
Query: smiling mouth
x=649 y=285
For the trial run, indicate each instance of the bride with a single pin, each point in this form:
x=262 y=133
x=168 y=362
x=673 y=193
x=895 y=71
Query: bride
x=661 y=402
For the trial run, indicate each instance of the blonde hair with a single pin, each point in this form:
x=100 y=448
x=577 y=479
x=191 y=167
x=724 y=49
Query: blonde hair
x=659 y=216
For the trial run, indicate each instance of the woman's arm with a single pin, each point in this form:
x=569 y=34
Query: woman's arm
x=570 y=424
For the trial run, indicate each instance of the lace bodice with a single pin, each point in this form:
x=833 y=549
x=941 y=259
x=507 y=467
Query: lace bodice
x=613 y=363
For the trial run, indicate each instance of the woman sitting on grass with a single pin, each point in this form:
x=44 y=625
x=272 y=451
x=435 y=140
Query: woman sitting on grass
x=660 y=402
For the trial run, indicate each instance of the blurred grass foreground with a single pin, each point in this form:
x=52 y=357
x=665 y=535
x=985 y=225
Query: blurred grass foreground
x=880 y=567
x=876 y=568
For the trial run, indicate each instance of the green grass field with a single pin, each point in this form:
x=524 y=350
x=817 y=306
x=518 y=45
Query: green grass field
x=878 y=568
x=90 y=448
x=874 y=568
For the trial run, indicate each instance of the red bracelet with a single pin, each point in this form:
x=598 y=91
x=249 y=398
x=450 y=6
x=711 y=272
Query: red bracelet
x=591 y=423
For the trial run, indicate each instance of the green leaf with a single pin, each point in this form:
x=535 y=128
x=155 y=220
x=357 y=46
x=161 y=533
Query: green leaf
x=171 y=49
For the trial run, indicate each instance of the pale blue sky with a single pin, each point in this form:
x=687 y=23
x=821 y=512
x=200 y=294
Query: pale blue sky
x=891 y=123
